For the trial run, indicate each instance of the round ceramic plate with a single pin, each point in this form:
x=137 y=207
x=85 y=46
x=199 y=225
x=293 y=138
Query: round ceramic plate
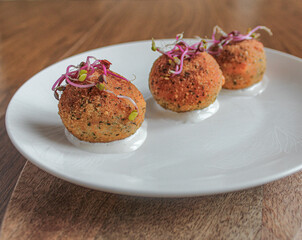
x=249 y=141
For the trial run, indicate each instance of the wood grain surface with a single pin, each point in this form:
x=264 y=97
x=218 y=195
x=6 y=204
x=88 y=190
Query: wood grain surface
x=36 y=34
x=45 y=207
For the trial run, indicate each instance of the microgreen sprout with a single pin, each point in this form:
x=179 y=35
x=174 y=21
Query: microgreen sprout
x=153 y=47
x=179 y=51
x=100 y=86
x=215 y=45
x=81 y=76
x=125 y=97
x=133 y=115
x=83 y=72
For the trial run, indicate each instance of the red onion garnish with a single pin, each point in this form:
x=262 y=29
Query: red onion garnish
x=80 y=75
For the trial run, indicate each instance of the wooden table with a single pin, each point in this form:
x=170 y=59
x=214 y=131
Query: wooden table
x=35 y=34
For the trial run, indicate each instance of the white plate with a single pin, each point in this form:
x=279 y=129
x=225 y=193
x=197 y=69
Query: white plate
x=248 y=142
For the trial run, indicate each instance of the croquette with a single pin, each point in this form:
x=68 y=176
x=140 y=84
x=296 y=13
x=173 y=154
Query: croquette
x=93 y=115
x=196 y=87
x=243 y=63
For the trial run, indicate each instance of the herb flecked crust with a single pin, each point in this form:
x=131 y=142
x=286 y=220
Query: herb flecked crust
x=196 y=87
x=92 y=115
x=242 y=63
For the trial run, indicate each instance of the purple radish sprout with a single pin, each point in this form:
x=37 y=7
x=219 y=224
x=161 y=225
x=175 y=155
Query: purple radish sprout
x=77 y=75
x=182 y=50
x=216 y=45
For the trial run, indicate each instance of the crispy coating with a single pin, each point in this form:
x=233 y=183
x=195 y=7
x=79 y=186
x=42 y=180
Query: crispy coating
x=97 y=116
x=196 y=87
x=242 y=63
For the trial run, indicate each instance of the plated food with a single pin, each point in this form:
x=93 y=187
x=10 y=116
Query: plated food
x=185 y=78
x=241 y=57
x=176 y=160
x=98 y=105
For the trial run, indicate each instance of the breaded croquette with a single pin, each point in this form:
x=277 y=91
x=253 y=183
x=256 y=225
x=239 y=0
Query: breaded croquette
x=242 y=63
x=240 y=56
x=185 y=78
x=102 y=106
x=196 y=87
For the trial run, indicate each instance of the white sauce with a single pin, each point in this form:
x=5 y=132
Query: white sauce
x=128 y=144
x=196 y=116
x=253 y=90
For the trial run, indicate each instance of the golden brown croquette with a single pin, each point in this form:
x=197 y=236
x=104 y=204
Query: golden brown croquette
x=242 y=63
x=196 y=87
x=93 y=115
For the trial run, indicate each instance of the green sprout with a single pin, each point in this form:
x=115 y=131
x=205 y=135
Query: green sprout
x=100 y=86
x=133 y=115
x=154 y=48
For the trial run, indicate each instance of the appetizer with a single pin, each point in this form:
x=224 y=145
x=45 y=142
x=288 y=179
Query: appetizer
x=98 y=105
x=185 y=78
x=240 y=57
